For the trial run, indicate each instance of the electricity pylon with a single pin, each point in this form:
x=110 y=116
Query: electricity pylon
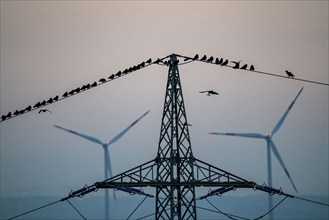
x=175 y=172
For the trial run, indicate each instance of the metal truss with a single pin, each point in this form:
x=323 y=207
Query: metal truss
x=175 y=172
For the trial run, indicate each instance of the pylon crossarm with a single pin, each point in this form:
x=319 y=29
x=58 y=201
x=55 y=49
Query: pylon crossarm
x=208 y=174
x=137 y=176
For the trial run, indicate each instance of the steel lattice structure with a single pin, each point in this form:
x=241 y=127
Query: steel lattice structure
x=175 y=172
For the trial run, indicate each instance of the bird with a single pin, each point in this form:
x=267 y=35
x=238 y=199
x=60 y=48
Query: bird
x=44 y=110
x=28 y=108
x=290 y=75
x=50 y=100
x=94 y=84
x=210 y=59
x=65 y=94
x=4 y=117
x=111 y=77
x=37 y=105
x=71 y=92
x=55 y=98
x=142 y=64
x=149 y=61
x=77 y=90
x=196 y=57
x=225 y=63
x=218 y=61
x=209 y=92
x=43 y=103
x=16 y=112
x=252 y=68
x=102 y=80
x=158 y=61
x=244 y=67
x=237 y=64
x=204 y=58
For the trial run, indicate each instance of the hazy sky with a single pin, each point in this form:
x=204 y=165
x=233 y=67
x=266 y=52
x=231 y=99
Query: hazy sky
x=50 y=47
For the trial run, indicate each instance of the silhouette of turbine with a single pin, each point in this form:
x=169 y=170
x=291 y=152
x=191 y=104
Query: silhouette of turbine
x=107 y=161
x=270 y=147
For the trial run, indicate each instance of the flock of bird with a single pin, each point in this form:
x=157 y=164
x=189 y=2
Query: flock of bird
x=164 y=61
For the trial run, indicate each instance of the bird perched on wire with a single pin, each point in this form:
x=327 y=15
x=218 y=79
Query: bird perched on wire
x=237 y=64
x=196 y=57
x=44 y=110
x=209 y=92
x=290 y=75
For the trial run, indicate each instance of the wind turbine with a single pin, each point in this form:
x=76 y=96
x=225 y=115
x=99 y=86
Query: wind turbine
x=270 y=146
x=107 y=161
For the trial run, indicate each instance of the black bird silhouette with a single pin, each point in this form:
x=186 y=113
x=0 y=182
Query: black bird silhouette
x=111 y=77
x=43 y=103
x=210 y=92
x=142 y=64
x=16 y=112
x=237 y=64
x=204 y=58
x=290 y=75
x=196 y=57
x=244 y=67
x=71 y=92
x=217 y=61
x=102 y=80
x=94 y=84
x=44 y=110
x=149 y=60
x=50 y=100
x=55 y=98
x=28 y=108
x=65 y=94
x=36 y=105
x=210 y=59
x=252 y=68
x=4 y=117
x=158 y=61
x=225 y=63
x=77 y=90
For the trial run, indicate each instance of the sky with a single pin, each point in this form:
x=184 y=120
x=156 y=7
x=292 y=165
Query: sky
x=48 y=48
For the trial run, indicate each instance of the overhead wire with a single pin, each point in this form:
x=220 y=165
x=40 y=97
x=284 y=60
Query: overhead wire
x=36 y=209
x=60 y=98
x=76 y=210
x=136 y=207
x=257 y=71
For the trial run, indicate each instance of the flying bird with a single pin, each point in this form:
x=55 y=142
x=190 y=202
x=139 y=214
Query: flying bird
x=44 y=110
x=290 y=75
x=237 y=64
x=196 y=57
x=210 y=92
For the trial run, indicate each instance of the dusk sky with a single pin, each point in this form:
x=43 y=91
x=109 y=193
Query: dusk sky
x=50 y=47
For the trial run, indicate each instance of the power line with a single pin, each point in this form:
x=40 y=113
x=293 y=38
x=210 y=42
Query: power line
x=33 y=210
x=257 y=71
x=79 y=90
x=76 y=210
x=136 y=207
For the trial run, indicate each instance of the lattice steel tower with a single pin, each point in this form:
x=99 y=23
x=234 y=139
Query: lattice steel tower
x=175 y=172
x=175 y=158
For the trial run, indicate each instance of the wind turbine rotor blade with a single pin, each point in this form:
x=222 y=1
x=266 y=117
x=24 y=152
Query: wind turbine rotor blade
x=90 y=138
x=278 y=125
x=276 y=153
x=118 y=136
x=109 y=170
x=249 y=135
